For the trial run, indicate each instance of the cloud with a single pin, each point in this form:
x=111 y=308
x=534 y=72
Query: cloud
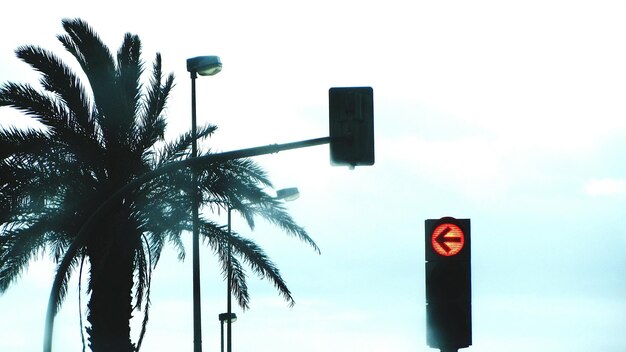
x=475 y=165
x=605 y=187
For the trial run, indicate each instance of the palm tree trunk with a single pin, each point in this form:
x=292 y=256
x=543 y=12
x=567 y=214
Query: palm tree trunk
x=110 y=303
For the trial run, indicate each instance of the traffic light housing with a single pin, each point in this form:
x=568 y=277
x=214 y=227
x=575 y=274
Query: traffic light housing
x=351 y=122
x=448 y=283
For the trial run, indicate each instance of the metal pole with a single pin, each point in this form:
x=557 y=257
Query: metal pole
x=228 y=289
x=197 y=324
x=222 y=335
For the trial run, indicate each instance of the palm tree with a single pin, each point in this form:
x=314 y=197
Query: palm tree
x=103 y=129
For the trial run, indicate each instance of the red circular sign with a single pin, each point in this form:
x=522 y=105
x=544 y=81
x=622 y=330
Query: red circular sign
x=447 y=239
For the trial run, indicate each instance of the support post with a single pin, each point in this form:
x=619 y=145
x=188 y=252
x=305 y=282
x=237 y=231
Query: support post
x=228 y=288
x=197 y=311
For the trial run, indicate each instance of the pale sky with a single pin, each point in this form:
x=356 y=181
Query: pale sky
x=511 y=114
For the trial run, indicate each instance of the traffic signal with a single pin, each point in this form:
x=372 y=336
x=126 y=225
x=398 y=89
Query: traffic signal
x=448 y=283
x=351 y=122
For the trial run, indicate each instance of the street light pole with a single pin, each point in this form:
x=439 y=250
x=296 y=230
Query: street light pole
x=204 y=66
x=197 y=319
x=228 y=285
x=221 y=335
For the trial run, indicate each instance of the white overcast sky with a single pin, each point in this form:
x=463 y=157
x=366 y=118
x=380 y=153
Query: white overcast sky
x=511 y=113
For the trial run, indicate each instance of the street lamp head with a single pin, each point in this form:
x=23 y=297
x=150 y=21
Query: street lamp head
x=228 y=317
x=288 y=194
x=204 y=65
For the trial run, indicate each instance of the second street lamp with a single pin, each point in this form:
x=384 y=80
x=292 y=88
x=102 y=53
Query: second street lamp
x=203 y=66
x=287 y=194
x=230 y=318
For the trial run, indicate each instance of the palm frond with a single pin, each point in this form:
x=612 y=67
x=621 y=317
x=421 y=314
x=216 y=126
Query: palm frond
x=275 y=213
x=144 y=267
x=24 y=141
x=28 y=100
x=61 y=286
x=251 y=254
x=260 y=264
x=218 y=239
x=239 y=286
x=153 y=123
x=54 y=115
x=129 y=70
x=19 y=246
x=59 y=79
x=80 y=305
x=181 y=147
x=98 y=64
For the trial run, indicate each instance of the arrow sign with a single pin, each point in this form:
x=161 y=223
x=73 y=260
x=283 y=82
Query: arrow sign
x=447 y=239
x=443 y=240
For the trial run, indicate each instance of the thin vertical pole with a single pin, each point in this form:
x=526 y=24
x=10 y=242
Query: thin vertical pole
x=228 y=288
x=197 y=321
x=222 y=335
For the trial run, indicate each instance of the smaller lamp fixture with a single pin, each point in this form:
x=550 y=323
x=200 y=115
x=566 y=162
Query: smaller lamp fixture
x=204 y=65
x=288 y=194
x=228 y=317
